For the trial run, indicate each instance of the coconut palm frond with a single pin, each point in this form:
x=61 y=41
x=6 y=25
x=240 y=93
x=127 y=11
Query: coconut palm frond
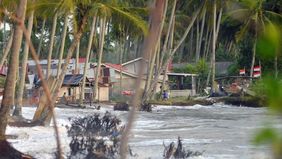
x=135 y=19
x=243 y=30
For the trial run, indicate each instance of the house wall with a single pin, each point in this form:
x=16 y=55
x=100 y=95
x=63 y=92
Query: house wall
x=102 y=93
x=134 y=67
x=180 y=93
x=128 y=83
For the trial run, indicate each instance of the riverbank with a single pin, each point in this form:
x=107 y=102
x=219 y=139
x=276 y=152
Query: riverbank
x=247 y=101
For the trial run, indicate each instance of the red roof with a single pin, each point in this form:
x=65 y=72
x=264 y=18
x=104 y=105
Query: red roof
x=116 y=66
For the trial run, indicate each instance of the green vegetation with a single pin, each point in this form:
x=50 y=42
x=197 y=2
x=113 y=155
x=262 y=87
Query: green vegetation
x=2 y=82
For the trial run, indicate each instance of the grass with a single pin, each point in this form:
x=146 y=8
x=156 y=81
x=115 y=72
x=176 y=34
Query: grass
x=182 y=101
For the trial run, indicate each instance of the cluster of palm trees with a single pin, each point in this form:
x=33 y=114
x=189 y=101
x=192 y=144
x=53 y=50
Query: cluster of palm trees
x=93 y=23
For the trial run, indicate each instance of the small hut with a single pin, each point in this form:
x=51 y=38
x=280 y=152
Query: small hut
x=182 y=84
x=72 y=86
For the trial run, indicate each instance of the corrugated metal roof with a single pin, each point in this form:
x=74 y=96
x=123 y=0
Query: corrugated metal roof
x=72 y=80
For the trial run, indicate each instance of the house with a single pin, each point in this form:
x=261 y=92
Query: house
x=122 y=79
x=182 y=84
x=72 y=83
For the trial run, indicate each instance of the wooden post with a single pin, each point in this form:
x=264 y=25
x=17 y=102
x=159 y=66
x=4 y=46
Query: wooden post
x=193 y=93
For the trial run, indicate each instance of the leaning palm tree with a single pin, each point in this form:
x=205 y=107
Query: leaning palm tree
x=81 y=97
x=9 y=94
x=19 y=103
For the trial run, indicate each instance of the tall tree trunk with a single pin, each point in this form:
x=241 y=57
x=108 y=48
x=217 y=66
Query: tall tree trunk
x=120 y=62
x=170 y=46
x=101 y=45
x=151 y=40
x=197 y=40
x=213 y=49
x=216 y=26
x=41 y=37
x=10 y=84
x=165 y=64
x=191 y=52
x=19 y=103
x=52 y=38
x=206 y=44
x=77 y=71
x=43 y=114
x=155 y=50
x=164 y=50
x=62 y=49
x=7 y=49
x=201 y=33
x=254 y=55
x=81 y=97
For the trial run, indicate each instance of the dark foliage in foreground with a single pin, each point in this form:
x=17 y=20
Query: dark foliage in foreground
x=95 y=137
x=178 y=151
x=8 y=152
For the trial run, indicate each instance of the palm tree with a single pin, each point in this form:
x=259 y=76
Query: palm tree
x=169 y=55
x=19 y=103
x=62 y=44
x=88 y=51
x=52 y=39
x=100 y=54
x=7 y=48
x=9 y=94
x=150 y=42
x=254 y=17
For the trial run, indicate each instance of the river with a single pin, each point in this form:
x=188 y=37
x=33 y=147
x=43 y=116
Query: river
x=219 y=131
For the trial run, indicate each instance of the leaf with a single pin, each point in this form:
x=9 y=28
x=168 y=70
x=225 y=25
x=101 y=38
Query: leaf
x=266 y=136
x=269 y=43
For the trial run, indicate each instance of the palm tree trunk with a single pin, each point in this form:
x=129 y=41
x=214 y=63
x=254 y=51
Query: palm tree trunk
x=76 y=70
x=120 y=62
x=52 y=38
x=148 y=93
x=77 y=59
x=10 y=84
x=101 y=45
x=43 y=114
x=81 y=97
x=151 y=40
x=213 y=49
x=170 y=46
x=164 y=50
x=201 y=33
x=216 y=26
x=19 y=103
x=62 y=45
x=197 y=41
x=7 y=49
x=155 y=49
x=254 y=55
x=41 y=37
